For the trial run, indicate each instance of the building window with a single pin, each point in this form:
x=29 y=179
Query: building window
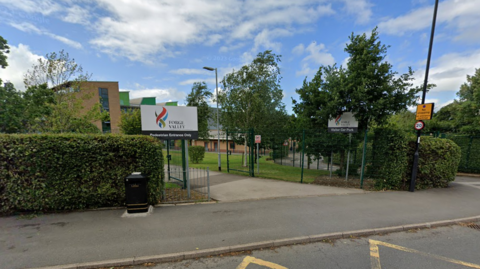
x=106 y=127
x=103 y=94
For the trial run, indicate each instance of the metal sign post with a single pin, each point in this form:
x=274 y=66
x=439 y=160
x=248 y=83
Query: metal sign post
x=423 y=106
x=344 y=123
x=258 y=140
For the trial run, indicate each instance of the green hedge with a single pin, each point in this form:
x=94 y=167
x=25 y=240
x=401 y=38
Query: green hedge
x=388 y=158
x=196 y=153
x=391 y=158
x=438 y=163
x=470 y=159
x=72 y=171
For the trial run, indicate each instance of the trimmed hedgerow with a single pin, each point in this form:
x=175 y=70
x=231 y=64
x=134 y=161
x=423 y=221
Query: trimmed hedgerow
x=438 y=162
x=51 y=172
x=389 y=158
x=470 y=146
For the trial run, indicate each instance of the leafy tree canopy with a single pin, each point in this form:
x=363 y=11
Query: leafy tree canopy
x=4 y=49
x=252 y=97
x=199 y=97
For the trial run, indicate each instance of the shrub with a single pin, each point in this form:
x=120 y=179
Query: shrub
x=388 y=158
x=438 y=163
x=196 y=153
x=73 y=171
x=470 y=159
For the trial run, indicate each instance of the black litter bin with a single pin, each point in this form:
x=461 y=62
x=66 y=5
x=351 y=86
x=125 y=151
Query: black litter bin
x=136 y=193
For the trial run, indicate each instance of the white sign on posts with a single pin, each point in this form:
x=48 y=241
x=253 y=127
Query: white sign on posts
x=169 y=122
x=343 y=123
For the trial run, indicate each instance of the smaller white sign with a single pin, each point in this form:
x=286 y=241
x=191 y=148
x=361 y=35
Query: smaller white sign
x=343 y=123
x=419 y=125
x=258 y=139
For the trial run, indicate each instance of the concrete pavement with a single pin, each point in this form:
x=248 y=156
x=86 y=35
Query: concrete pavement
x=233 y=188
x=80 y=237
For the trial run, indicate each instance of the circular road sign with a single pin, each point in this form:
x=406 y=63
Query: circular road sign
x=419 y=125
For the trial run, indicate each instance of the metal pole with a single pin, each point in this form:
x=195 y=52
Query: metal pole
x=348 y=155
x=331 y=163
x=218 y=125
x=208 y=183
x=226 y=139
x=303 y=154
x=258 y=161
x=187 y=168
x=419 y=133
x=363 y=158
x=168 y=158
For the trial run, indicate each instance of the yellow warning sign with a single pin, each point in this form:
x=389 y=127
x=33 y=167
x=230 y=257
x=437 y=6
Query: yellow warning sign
x=425 y=111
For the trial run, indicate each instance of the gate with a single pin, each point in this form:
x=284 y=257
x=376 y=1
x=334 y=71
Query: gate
x=241 y=159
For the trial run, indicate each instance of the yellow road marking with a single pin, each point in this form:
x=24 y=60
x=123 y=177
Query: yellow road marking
x=254 y=260
x=375 y=255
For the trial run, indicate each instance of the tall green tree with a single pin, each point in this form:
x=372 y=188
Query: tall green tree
x=468 y=116
x=4 y=49
x=131 y=122
x=252 y=97
x=65 y=78
x=11 y=109
x=199 y=97
x=38 y=105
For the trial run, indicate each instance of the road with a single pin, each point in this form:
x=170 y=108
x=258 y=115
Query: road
x=455 y=246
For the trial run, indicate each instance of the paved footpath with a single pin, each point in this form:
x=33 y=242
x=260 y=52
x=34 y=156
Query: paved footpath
x=80 y=237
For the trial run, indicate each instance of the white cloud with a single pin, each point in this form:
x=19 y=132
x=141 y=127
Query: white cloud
x=30 y=28
x=299 y=49
x=460 y=15
x=189 y=71
x=450 y=70
x=76 y=14
x=162 y=95
x=360 y=8
x=20 y=59
x=317 y=56
x=191 y=81
x=45 y=7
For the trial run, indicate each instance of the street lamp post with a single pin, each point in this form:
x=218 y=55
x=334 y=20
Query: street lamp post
x=218 y=112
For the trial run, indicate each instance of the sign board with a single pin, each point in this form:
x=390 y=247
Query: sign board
x=258 y=139
x=169 y=122
x=419 y=125
x=424 y=111
x=285 y=143
x=343 y=123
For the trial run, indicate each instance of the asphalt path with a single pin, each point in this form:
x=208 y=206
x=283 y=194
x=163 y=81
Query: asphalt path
x=445 y=247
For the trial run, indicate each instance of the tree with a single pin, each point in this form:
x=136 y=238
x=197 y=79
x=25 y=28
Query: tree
x=198 y=97
x=38 y=105
x=65 y=78
x=469 y=101
x=4 y=49
x=11 y=109
x=55 y=70
x=368 y=87
x=252 y=97
x=131 y=122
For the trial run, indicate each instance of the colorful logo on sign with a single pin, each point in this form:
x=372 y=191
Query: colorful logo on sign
x=338 y=119
x=161 y=118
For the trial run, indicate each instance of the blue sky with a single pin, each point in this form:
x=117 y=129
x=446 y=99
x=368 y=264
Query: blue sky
x=158 y=48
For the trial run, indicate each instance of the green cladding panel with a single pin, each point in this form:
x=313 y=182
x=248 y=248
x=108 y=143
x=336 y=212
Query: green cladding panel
x=171 y=103
x=124 y=98
x=148 y=101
